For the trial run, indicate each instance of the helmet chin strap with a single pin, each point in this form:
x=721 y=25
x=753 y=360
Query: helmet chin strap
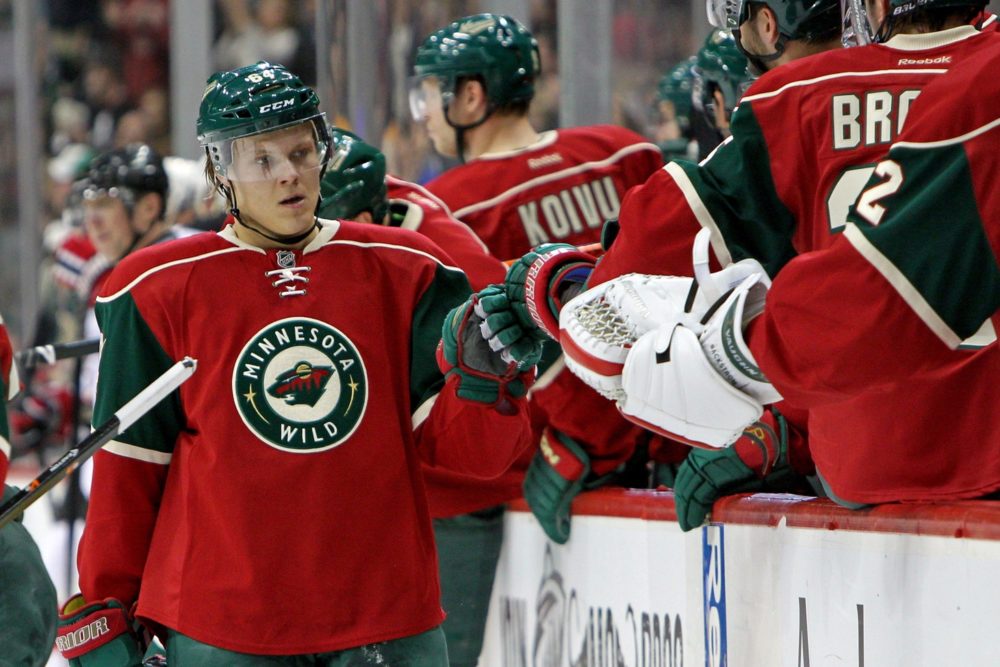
x=290 y=239
x=758 y=62
x=461 y=129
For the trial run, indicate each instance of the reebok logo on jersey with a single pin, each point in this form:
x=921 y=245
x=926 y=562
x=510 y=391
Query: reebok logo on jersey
x=939 y=60
x=300 y=385
x=545 y=161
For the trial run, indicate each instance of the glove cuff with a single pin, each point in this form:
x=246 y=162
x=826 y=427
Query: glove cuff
x=762 y=446
x=541 y=284
x=564 y=455
x=85 y=628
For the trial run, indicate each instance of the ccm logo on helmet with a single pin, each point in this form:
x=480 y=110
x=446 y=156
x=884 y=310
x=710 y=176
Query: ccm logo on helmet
x=275 y=106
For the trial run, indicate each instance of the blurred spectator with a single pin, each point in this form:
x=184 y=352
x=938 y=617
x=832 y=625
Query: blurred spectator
x=105 y=93
x=263 y=30
x=141 y=31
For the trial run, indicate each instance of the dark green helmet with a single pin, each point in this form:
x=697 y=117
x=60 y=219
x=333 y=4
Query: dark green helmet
x=721 y=65
x=496 y=48
x=355 y=179
x=127 y=173
x=252 y=100
x=675 y=87
x=810 y=20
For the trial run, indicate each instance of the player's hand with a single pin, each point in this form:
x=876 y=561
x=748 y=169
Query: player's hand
x=98 y=634
x=757 y=460
x=533 y=284
x=554 y=478
x=490 y=363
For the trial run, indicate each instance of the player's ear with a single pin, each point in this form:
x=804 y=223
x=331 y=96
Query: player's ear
x=472 y=94
x=770 y=28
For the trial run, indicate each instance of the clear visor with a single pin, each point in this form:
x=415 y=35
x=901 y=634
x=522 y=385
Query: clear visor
x=425 y=94
x=296 y=150
x=724 y=14
x=856 y=28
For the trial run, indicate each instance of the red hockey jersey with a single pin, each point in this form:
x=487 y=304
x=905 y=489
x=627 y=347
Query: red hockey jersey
x=914 y=274
x=427 y=215
x=558 y=190
x=275 y=504
x=805 y=140
x=9 y=386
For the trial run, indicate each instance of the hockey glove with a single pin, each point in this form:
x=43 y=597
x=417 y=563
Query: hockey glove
x=534 y=283
x=99 y=634
x=757 y=460
x=483 y=374
x=557 y=474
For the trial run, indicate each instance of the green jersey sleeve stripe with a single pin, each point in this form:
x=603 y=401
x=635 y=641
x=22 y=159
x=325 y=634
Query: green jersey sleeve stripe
x=910 y=294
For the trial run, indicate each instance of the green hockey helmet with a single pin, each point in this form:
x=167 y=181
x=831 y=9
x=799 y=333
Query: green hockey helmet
x=675 y=87
x=720 y=65
x=253 y=100
x=496 y=48
x=355 y=179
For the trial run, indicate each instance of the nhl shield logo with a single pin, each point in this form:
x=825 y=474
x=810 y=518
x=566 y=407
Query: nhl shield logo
x=300 y=385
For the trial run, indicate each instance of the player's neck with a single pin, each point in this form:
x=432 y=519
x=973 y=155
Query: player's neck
x=798 y=48
x=500 y=133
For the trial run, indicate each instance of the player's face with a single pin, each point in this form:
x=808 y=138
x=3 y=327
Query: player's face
x=441 y=134
x=108 y=227
x=668 y=128
x=275 y=177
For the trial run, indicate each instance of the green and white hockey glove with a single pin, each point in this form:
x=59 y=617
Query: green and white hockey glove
x=490 y=364
x=758 y=460
x=557 y=474
x=99 y=634
x=535 y=281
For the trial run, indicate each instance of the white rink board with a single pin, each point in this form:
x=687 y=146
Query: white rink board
x=788 y=597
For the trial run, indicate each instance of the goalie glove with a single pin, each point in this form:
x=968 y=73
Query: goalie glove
x=758 y=460
x=534 y=283
x=698 y=383
x=99 y=634
x=599 y=327
x=554 y=478
x=490 y=363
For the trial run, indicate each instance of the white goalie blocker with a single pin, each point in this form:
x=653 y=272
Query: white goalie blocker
x=670 y=351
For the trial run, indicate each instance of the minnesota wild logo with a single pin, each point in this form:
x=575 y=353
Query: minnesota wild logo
x=300 y=385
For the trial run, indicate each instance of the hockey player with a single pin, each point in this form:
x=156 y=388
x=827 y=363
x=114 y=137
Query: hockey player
x=673 y=112
x=914 y=273
x=240 y=514
x=27 y=596
x=720 y=79
x=517 y=188
x=769 y=193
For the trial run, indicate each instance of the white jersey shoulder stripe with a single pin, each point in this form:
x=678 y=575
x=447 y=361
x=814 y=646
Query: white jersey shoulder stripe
x=167 y=265
x=391 y=246
x=4 y=447
x=138 y=453
x=555 y=176
x=941 y=143
x=902 y=285
x=830 y=77
x=701 y=212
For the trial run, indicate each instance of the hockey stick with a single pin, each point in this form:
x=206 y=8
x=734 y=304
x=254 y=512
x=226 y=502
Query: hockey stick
x=50 y=354
x=594 y=249
x=126 y=415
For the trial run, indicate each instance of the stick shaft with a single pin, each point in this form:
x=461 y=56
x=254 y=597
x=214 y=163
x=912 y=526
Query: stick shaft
x=142 y=403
